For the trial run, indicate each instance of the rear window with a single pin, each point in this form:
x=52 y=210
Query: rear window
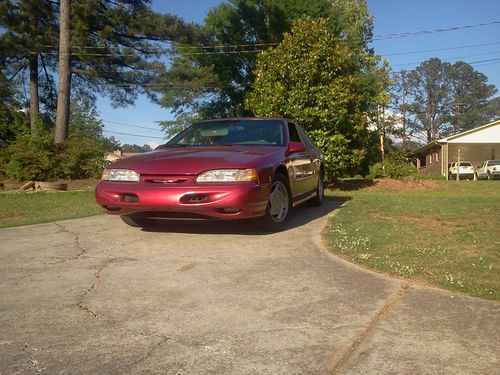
x=494 y=162
x=465 y=164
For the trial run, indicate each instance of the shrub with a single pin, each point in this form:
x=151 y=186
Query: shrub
x=31 y=158
x=396 y=166
x=81 y=158
x=339 y=158
x=39 y=158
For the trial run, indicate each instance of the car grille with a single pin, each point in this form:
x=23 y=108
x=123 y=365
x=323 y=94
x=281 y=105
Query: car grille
x=166 y=179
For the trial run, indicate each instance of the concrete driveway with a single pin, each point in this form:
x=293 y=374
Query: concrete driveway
x=93 y=296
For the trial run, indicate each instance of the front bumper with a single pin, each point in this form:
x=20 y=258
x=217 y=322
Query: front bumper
x=214 y=201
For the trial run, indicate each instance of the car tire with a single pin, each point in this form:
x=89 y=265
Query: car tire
x=317 y=201
x=489 y=176
x=280 y=205
x=135 y=221
x=450 y=176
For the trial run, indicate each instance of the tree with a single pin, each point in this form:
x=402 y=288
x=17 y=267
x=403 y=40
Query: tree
x=64 y=73
x=27 y=27
x=114 y=50
x=471 y=98
x=316 y=78
x=438 y=98
x=400 y=97
x=431 y=99
x=212 y=79
x=135 y=148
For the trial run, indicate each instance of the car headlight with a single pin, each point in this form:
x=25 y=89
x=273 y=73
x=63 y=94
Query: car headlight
x=228 y=175
x=126 y=175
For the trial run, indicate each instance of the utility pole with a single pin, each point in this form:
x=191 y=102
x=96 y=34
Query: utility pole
x=382 y=136
x=64 y=72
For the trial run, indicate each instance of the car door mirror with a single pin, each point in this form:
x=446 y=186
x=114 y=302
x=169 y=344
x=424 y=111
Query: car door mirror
x=294 y=147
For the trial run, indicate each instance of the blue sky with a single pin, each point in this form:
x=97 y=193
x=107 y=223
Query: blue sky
x=391 y=17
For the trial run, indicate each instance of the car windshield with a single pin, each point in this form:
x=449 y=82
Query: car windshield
x=494 y=162
x=465 y=164
x=237 y=132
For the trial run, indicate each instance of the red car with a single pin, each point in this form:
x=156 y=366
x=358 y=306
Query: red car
x=218 y=169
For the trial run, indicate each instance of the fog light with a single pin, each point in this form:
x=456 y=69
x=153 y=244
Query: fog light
x=231 y=210
x=130 y=198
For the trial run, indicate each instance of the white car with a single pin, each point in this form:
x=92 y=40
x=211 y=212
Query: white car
x=466 y=170
x=489 y=170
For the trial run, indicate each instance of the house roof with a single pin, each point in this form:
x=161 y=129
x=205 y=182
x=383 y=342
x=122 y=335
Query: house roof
x=470 y=131
x=424 y=148
x=455 y=138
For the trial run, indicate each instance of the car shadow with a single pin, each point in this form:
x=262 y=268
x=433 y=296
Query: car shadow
x=302 y=215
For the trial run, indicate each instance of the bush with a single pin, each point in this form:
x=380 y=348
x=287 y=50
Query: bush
x=81 y=158
x=31 y=158
x=339 y=158
x=396 y=166
x=40 y=159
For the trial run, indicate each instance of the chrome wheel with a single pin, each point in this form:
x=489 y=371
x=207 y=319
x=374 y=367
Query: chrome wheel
x=279 y=202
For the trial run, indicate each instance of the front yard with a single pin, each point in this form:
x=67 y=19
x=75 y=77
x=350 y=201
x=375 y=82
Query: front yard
x=33 y=208
x=442 y=233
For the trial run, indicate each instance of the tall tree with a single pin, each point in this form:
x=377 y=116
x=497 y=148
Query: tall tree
x=114 y=49
x=64 y=73
x=400 y=97
x=27 y=27
x=315 y=77
x=471 y=95
x=431 y=99
x=212 y=79
x=438 y=98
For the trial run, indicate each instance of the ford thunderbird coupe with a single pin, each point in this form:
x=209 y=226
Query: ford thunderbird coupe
x=218 y=169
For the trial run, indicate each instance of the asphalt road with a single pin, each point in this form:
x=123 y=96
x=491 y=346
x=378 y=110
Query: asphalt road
x=93 y=296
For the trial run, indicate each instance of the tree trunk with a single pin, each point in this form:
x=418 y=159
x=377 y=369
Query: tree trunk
x=34 y=99
x=64 y=85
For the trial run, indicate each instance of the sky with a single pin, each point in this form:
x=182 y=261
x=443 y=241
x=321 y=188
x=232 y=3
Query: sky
x=477 y=45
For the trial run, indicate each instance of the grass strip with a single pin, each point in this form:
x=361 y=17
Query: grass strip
x=447 y=235
x=33 y=208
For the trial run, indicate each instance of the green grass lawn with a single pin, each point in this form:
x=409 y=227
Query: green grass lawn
x=33 y=208
x=446 y=235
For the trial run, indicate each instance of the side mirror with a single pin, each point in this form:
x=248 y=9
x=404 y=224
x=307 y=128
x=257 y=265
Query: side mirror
x=294 y=147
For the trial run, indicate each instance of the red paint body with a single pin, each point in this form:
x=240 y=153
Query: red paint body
x=168 y=187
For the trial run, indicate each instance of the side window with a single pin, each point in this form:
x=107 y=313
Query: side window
x=294 y=134
x=309 y=144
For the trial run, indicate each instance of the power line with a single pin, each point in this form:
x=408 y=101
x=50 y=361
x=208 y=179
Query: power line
x=375 y=38
x=452 y=58
x=438 y=49
x=130 y=125
x=134 y=135
x=441 y=30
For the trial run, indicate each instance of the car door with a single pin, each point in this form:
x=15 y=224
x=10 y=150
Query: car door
x=300 y=170
x=315 y=158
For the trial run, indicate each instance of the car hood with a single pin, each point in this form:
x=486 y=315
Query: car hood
x=194 y=160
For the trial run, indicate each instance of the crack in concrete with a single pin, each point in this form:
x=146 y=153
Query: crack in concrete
x=83 y=307
x=34 y=364
x=76 y=243
x=150 y=351
x=97 y=279
x=368 y=330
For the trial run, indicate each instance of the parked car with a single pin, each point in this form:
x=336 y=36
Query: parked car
x=490 y=169
x=218 y=169
x=466 y=170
